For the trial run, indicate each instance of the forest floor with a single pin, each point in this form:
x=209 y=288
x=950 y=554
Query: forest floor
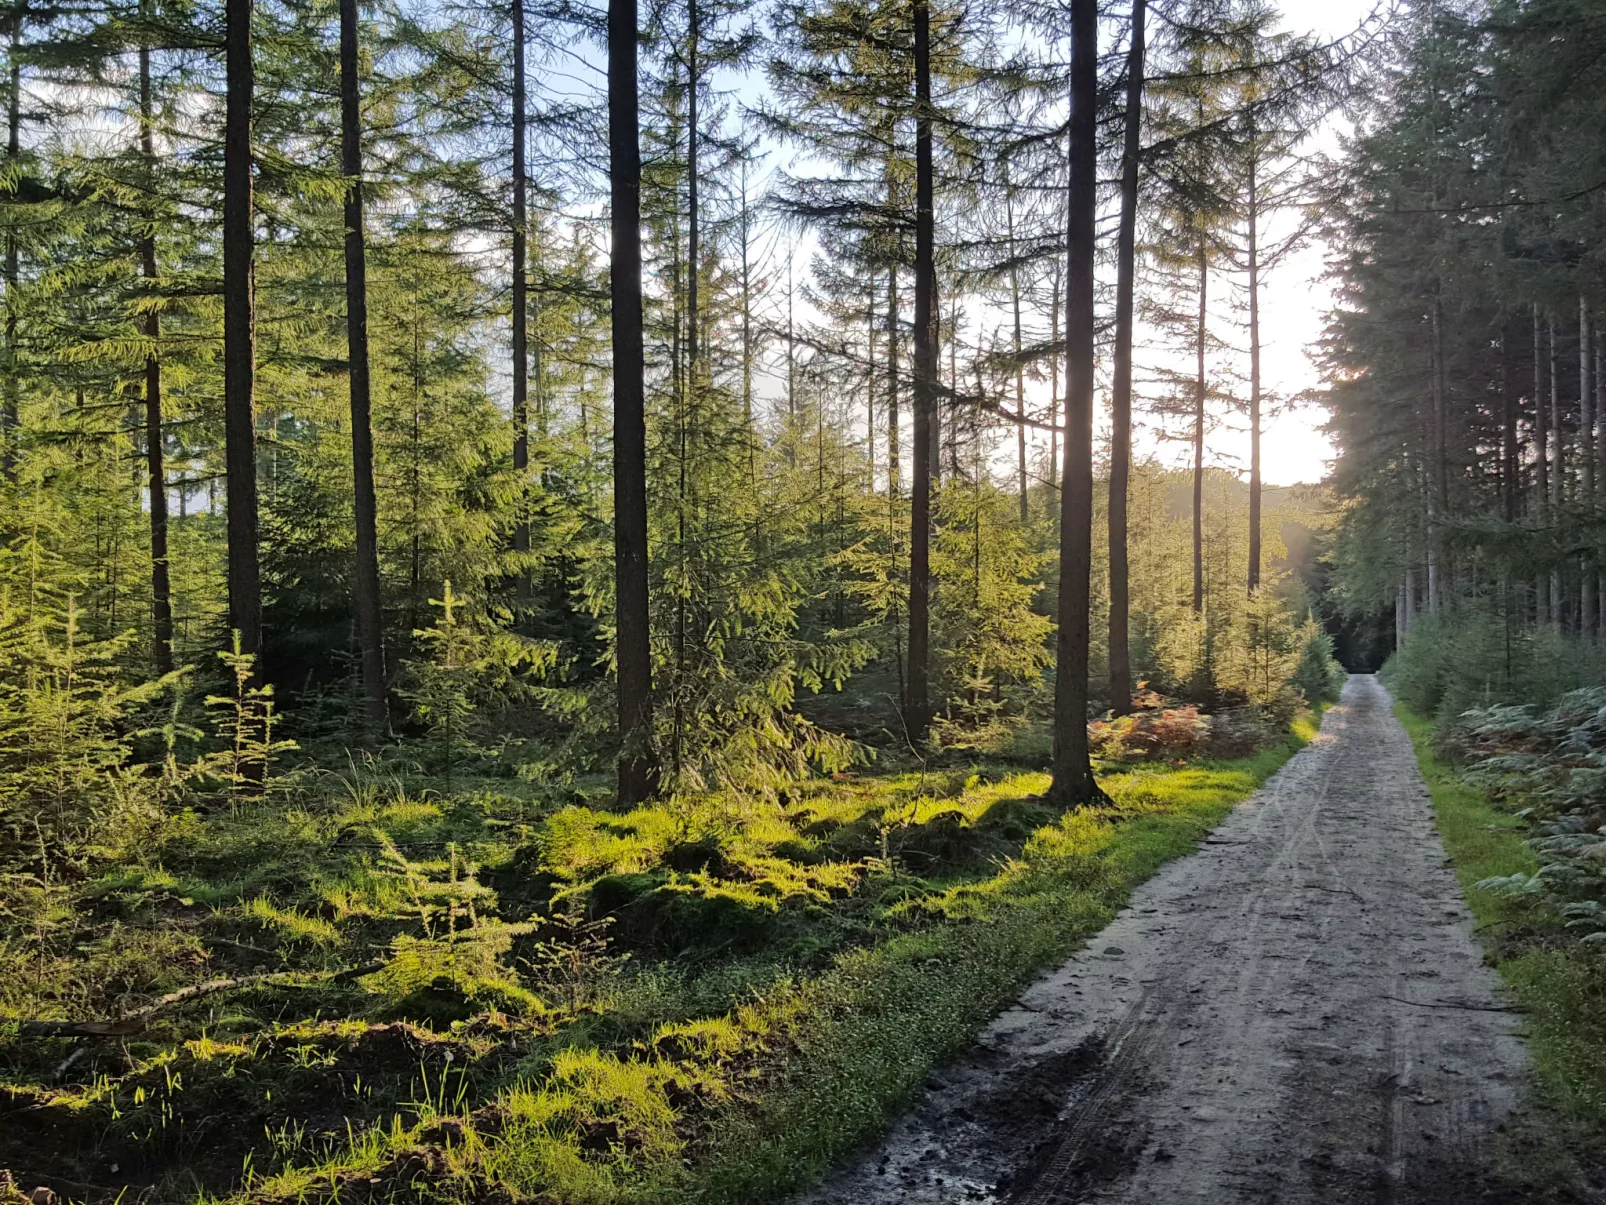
x=1300 y=1012
x=371 y=984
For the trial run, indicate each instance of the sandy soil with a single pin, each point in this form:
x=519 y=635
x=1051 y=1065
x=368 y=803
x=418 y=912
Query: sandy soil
x=1298 y=1013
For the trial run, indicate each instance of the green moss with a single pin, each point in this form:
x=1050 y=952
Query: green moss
x=793 y=973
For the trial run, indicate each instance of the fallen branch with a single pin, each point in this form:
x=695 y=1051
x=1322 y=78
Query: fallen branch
x=135 y=1023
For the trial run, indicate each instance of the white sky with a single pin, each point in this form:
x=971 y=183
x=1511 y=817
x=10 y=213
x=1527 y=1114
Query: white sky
x=1294 y=303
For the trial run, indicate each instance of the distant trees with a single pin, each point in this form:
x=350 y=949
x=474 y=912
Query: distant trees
x=686 y=471
x=1464 y=386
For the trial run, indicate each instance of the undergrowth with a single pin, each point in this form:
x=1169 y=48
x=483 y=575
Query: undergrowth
x=370 y=987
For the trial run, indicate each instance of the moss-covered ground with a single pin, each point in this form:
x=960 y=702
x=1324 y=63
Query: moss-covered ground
x=503 y=992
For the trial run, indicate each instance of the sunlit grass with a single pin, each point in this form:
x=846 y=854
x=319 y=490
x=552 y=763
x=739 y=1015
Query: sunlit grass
x=779 y=977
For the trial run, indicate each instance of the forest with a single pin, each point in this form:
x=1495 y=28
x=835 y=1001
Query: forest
x=586 y=592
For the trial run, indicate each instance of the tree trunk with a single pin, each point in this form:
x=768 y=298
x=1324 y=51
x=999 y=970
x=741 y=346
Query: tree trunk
x=370 y=627
x=1558 y=469
x=1055 y=469
x=239 y=358
x=1200 y=386
x=1254 y=376
x=917 y=711
x=10 y=410
x=1073 y=783
x=521 y=320
x=1586 y=466
x=1541 y=457
x=632 y=648
x=1600 y=460
x=1020 y=369
x=1508 y=427
x=869 y=384
x=894 y=417
x=1121 y=377
x=155 y=468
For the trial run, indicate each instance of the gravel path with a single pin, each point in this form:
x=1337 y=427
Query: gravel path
x=1298 y=1013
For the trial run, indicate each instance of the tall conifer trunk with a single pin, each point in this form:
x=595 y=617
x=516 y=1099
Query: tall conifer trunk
x=1558 y=468
x=155 y=466
x=894 y=414
x=10 y=412
x=1541 y=493
x=632 y=648
x=1586 y=466
x=1254 y=373
x=917 y=712
x=1121 y=377
x=1199 y=391
x=1073 y=783
x=365 y=591
x=1600 y=460
x=521 y=314
x=1020 y=369
x=239 y=353
x=1509 y=470
x=693 y=230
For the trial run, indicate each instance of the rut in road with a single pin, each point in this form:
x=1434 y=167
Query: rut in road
x=1299 y=1012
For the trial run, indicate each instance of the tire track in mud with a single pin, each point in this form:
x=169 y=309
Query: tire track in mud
x=1296 y=1014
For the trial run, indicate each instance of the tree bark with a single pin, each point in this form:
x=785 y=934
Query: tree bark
x=521 y=316
x=1200 y=387
x=693 y=233
x=1586 y=466
x=917 y=716
x=1508 y=426
x=365 y=591
x=1074 y=784
x=632 y=648
x=1254 y=375
x=155 y=466
x=1558 y=469
x=10 y=410
x=894 y=417
x=1541 y=457
x=1120 y=653
x=747 y=347
x=239 y=355
x=1020 y=369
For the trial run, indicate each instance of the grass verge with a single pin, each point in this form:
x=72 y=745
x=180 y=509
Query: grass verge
x=1558 y=983
x=879 y=1022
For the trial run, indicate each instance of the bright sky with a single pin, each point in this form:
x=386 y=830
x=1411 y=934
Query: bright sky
x=1294 y=303
x=1293 y=307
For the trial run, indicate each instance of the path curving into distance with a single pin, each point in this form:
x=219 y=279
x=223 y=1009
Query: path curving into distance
x=1296 y=1014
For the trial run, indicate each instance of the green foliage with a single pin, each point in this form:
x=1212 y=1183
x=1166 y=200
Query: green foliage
x=69 y=791
x=244 y=720
x=1470 y=655
x=993 y=643
x=463 y=948
x=469 y=665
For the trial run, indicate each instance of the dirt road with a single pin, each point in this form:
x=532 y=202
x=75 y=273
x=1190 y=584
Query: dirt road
x=1298 y=1013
